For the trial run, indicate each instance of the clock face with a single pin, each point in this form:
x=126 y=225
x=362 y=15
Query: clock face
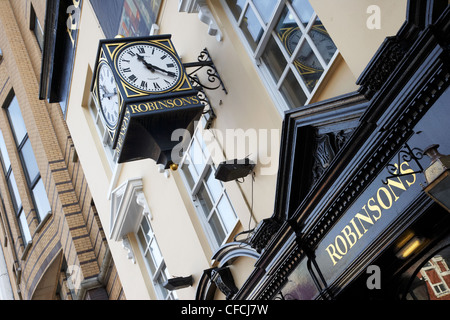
x=148 y=68
x=108 y=95
x=323 y=43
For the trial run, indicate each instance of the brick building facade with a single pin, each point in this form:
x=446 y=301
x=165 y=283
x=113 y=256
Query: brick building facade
x=54 y=246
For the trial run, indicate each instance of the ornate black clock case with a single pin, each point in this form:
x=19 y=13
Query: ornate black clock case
x=155 y=93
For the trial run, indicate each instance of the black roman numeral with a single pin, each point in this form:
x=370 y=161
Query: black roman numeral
x=126 y=70
x=144 y=84
x=156 y=85
x=141 y=50
x=170 y=65
x=163 y=57
x=132 y=78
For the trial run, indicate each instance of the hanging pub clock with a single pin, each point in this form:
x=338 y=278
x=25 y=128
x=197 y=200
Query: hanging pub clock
x=144 y=95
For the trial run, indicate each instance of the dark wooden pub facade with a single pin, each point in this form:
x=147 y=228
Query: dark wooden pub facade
x=352 y=219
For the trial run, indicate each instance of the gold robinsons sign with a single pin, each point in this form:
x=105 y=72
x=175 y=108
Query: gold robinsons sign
x=163 y=104
x=370 y=213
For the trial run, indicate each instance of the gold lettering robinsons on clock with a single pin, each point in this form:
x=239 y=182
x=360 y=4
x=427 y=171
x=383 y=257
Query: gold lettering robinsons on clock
x=163 y=104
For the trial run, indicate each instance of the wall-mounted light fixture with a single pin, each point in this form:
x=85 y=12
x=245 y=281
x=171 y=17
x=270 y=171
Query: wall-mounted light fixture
x=437 y=176
x=178 y=283
x=234 y=169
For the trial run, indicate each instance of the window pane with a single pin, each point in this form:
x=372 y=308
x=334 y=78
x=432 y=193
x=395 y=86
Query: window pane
x=292 y=91
x=217 y=228
x=236 y=7
x=274 y=59
x=14 y=192
x=187 y=174
x=226 y=213
x=308 y=66
x=146 y=230
x=41 y=199
x=214 y=186
x=159 y=284
x=5 y=156
x=196 y=157
x=24 y=226
x=288 y=31
x=30 y=161
x=303 y=10
x=322 y=40
x=141 y=239
x=150 y=262
x=17 y=120
x=252 y=28
x=39 y=33
x=265 y=8
x=156 y=253
x=204 y=200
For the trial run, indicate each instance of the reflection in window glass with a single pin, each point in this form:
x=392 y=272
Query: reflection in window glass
x=30 y=161
x=18 y=126
x=265 y=8
x=300 y=285
x=303 y=10
x=308 y=66
x=322 y=40
x=41 y=200
x=283 y=36
x=252 y=28
x=24 y=226
x=15 y=192
x=274 y=60
x=432 y=282
x=288 y=31
x=292 y=91
x=4 y=153
x=236 y=7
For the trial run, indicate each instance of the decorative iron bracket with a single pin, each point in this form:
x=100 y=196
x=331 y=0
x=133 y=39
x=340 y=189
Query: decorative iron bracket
x=205 y=61
x=405 y=154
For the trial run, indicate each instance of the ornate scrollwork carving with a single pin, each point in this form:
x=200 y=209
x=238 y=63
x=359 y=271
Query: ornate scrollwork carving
x=327 y=146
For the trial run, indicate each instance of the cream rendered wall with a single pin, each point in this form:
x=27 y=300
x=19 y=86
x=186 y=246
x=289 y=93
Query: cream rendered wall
x=353 y=26
x=90 y=149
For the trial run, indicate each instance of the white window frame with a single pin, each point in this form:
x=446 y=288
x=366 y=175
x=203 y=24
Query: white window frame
x=161 y=274
x=102 y=131
x=226 y=220
x=129 y=208
x=269 y=31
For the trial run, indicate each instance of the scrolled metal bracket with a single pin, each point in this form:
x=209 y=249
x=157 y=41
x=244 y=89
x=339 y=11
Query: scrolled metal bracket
x=204 y=62
x=407 y=154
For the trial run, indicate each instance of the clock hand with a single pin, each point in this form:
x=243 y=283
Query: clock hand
x=148 y=65
x=169 y=73
x=152 y=67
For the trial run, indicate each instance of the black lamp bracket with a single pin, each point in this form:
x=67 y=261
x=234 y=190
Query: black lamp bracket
x=407 y=154
x=204 y=62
